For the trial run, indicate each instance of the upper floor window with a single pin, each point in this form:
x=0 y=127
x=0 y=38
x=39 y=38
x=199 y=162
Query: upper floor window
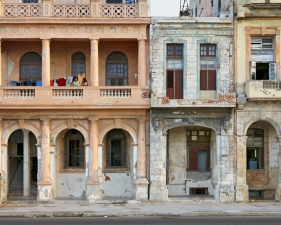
x=174 y=50
x=121 y=1
x=78 y=64
x=208 y=67
x=174 y=73
x=73 y=150
x=30 y=1
x=30 y=66
x=116 y=149
x=261 y=43
x=117 y=69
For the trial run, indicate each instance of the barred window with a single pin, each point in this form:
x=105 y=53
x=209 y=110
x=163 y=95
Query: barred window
x=116 y=150
x=74 y=156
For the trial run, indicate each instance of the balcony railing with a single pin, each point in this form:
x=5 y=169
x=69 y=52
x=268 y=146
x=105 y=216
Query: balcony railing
x=71 y=97
x=263 y=89
x=91 y=9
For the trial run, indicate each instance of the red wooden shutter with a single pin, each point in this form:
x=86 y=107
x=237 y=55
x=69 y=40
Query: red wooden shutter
x=203 y=80
x=178 y=84
x=170 y=84
x=212 y=80
x=193 y=158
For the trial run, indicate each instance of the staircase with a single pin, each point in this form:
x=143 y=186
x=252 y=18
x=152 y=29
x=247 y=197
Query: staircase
x=33 y=188
x=16 y=184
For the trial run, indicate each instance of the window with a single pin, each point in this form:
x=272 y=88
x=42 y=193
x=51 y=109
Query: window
x=30 y=1
x=30 y=66
x=73 y=150
x=208 y=71
x=198 y=150
x=116 y=151
x=263 y=66
x=114 y=1
x=174 y=73
x=116 y=69
x=78 y=64
x=255 y=150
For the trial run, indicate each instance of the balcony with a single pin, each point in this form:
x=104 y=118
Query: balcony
x=263 y=90
x=73 y=97
x=60 y=8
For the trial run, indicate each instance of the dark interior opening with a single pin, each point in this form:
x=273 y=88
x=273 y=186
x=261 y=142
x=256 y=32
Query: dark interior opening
x=262 y=71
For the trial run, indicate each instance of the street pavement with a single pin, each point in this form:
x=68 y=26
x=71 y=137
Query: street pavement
x=145 y=220
x=136 y=209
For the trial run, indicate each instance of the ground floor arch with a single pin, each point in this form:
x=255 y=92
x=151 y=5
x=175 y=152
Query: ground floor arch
x=21 y=164
x=118 y=165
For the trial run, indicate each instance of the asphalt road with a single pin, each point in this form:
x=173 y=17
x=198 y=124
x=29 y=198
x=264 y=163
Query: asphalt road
x=145 y=220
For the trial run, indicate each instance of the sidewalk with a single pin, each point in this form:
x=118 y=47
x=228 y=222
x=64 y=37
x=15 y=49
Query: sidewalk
x=137 y=209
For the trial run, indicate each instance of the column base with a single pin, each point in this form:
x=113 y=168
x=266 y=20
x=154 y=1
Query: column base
x=278 y=193
x=242 y=193
x=141 y=189
x=158 y=193
x=93 y=191
x=224 y=193
x=45 y=190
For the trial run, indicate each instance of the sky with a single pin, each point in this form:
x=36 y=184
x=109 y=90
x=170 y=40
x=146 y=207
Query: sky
x=165 y=7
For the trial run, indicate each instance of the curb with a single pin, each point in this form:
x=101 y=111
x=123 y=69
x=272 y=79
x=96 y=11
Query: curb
x=89 y=214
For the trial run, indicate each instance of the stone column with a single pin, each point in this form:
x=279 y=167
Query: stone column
x=46 y=66
x=242 y=193
x=142 y=63
x=45 y=191
x=0 y=54
x=95 y=5
x=53 y=167
x=1 y=172
x=4 y=173
x=26 y=164
x=278 y=186
x=141 y=182
x=93 y=183
x=94 y=64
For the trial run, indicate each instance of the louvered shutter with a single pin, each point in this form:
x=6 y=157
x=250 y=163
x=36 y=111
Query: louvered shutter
x=212 y=80
x=193 y=159
x=203 y=80
x=178 y=84
x=170 y=84
x=272 y=71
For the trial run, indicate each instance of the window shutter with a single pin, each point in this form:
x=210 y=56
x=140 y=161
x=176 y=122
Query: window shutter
x=178 y=84
x=272 y=71
x=212 y=80
x=203 y=80
x=261 y=162
x=208 y=158
x=170 y=84
x=193 y=159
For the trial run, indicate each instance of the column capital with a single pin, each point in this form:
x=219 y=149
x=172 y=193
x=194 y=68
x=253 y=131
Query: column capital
x=142 y=40
x=93 y=119
x=48 y=40
x=94 y=40
x=45 y=120
x=142 y=119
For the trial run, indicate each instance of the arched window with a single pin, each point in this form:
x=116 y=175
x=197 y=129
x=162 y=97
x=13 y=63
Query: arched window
x=73 y=150
x=255 y=149
x=31 y=66
x=116 y=153
x=116 y=69
x=78 y=64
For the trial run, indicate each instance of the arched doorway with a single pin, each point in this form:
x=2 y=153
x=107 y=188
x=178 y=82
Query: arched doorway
x=30 y=68
x=22 y=164
x=69 y=165
x=118 y=170
x=262 y=160
x=191 y=161
x=117 y=69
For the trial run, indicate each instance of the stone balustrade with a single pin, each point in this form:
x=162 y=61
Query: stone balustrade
x=94 y=9
x=71 y=97
x=263 y=90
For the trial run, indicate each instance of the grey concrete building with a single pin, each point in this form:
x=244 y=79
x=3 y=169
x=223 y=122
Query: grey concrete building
x=193 y=100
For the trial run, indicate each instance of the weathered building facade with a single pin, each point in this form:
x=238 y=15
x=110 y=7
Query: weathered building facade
x=257 y=74
x=62 y=140
x=191 y=136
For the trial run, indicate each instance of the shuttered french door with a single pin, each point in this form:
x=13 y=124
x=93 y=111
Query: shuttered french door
x=174 y=88
x=208 y=80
